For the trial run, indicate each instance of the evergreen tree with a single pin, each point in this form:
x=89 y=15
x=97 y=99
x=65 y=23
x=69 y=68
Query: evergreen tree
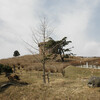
x=58 y=47
x=16 y=53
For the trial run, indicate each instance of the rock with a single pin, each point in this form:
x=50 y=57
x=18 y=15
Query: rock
x=94 y=82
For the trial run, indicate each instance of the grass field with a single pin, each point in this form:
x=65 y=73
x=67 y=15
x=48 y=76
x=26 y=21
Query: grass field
x=71 y=87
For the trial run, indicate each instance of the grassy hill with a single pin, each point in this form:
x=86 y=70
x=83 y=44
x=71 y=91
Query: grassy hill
x=32 y=62
x=71 y=87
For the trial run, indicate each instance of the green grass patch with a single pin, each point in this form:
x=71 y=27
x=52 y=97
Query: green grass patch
x=76 y=72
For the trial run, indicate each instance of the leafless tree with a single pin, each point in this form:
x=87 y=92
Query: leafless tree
x=40 y=34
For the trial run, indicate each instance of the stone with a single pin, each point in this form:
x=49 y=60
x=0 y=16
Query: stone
x=94 y=82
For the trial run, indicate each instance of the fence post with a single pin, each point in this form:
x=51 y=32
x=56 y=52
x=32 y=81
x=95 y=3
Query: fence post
x=87 y=65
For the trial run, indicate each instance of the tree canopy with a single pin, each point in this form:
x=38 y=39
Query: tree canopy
x=16 y=53
x=60 y=46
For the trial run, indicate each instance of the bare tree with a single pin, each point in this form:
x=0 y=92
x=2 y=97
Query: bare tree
x=40 y=35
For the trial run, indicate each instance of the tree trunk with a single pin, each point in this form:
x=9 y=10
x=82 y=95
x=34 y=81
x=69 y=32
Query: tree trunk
x=62 y=55
x=62 y=58
x=44 y=51
x=44 y=79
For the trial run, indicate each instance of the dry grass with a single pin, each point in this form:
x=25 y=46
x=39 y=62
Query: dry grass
x=30 y=61
x=71 y=87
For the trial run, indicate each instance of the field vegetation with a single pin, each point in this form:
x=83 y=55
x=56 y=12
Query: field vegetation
x=73 y=86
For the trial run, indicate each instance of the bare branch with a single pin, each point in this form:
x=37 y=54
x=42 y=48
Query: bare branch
x=31 y=46
x=35 y=38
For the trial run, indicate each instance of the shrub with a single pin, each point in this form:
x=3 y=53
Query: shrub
x=7 y=69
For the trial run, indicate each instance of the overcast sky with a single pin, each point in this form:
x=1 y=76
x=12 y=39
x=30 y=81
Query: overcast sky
x=79 y=20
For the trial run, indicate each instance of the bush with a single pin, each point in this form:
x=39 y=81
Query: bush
x=7 y=69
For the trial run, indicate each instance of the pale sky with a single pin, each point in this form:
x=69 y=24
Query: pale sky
x=79 y=20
